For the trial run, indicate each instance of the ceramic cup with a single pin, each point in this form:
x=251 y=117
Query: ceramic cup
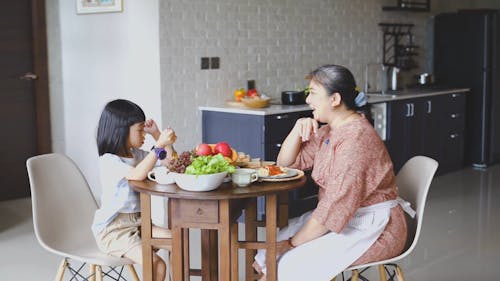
x=160 y=175
x=244 y=177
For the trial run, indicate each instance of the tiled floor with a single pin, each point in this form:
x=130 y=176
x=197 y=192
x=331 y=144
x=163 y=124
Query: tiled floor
x=460 y=236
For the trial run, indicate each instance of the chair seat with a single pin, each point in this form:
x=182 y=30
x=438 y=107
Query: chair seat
x=89 y=253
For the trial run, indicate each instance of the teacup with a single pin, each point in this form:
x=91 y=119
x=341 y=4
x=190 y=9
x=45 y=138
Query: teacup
x=244 y=177
x=161 y=176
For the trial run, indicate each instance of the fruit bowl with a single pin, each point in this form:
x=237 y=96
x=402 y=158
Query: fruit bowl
x=199 y=182
x=255 y=102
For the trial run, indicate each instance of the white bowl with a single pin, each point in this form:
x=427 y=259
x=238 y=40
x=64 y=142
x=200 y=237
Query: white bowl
x=199 y=182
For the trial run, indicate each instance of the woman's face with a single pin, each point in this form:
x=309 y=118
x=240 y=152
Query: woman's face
x=319 y=100
x=136 y=135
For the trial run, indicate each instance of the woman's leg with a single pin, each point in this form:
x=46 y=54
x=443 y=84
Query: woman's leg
x=159 y=266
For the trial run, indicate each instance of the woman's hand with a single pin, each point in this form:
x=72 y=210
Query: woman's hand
x=166 y=138
x=151 y=128
x=282 y=247
x=305 y=127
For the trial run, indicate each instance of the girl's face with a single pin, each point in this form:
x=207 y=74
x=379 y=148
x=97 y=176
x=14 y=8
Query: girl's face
x=321 y=103
x=136 y=135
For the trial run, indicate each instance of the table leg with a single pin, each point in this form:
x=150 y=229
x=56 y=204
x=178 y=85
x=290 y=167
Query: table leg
x=147 y=253
x=224 y=241
x=185 y=254
x=271 y=225
x=177 y=259
x=209 y=255
x=250 y=235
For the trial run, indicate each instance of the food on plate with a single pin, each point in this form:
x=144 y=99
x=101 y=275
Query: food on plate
x=271 y=170
x=239 y=94
x=203 y=149
x=179 y=164
x=223 y=148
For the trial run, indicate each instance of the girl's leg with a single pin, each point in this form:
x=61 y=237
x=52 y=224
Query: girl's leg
x=159 y=266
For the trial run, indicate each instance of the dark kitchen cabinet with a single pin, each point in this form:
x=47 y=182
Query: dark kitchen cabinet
x=432 y=126
x=261 y=137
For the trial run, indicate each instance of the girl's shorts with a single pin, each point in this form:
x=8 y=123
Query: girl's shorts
x=121 y=235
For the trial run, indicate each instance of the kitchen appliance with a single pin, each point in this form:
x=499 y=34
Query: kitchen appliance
x=425 y=78
x=394 y=78
x=467 y=55
x=293 y=97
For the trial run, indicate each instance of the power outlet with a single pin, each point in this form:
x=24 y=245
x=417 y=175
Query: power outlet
x=214 y=63
x=205 y=63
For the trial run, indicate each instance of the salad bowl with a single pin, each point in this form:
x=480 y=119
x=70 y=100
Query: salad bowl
x=199 y=182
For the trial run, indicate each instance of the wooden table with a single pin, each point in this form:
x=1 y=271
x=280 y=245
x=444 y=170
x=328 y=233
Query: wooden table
x=214 y=212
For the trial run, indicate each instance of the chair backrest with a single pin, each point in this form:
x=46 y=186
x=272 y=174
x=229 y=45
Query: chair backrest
x=62 y=202
x=414 y=180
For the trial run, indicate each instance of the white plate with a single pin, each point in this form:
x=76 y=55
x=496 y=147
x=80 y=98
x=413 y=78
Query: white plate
x=289 y=173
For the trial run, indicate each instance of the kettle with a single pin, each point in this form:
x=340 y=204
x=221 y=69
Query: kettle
x=394 y=71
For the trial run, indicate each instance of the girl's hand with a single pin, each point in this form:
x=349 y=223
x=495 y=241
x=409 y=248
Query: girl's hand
x=151 y=128
x=305 y=127
x=167 y=137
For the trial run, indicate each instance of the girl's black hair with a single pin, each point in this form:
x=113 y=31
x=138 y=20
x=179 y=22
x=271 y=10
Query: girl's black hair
x=338 y=79
x=114 y=126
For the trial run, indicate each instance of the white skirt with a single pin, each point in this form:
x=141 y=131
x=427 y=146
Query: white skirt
x=325 y=257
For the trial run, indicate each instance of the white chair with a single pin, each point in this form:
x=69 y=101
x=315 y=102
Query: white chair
x=63 y=210
x=413 y=181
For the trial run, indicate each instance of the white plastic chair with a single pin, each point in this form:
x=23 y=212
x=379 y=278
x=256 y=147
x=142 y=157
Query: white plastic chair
x=63 y=210
x=413 y=181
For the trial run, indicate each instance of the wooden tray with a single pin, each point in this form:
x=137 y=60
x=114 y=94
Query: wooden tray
x=234 y=103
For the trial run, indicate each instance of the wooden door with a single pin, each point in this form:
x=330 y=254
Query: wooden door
x=24 y=110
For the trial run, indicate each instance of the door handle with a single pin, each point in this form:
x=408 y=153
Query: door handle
x=408 y=110
x=412 y=108
x=455 y=115
x=28 y=76
x=429 y=107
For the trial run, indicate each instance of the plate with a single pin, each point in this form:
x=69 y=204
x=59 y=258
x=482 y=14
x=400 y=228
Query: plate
x=298 y=176
x=289 y=173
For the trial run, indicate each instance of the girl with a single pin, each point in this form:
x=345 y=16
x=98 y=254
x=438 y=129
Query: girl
x=120 y=134
x=357 y=219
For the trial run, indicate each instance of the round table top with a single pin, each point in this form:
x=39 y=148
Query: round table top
x=225 y=191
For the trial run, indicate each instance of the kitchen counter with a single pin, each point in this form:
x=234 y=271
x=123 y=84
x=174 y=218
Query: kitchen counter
x=411 y=93
x=372 y=98
x=271 y=110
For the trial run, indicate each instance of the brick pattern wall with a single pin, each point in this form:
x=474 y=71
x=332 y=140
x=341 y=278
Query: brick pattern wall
x=274 y=42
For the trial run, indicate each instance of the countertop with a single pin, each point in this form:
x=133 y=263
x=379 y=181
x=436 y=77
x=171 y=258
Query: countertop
x=411 y=93
x=372 y=98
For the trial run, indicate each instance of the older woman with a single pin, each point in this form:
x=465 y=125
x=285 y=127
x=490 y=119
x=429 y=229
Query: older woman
x=358 y=218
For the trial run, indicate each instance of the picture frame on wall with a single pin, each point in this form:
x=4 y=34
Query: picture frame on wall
x=98 y=6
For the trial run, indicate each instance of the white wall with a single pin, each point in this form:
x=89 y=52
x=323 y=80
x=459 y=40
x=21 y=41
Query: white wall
x=95 y=58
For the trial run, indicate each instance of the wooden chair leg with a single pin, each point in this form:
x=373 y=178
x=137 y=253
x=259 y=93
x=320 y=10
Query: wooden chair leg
x=355 y=275
x=381 y=272
x=98 y=275
x=133 y=273
x=399 y=274
x=234 y=251
x=61 y=269
x=92 y=272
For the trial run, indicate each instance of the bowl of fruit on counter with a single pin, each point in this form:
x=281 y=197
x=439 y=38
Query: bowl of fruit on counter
x=204 y=168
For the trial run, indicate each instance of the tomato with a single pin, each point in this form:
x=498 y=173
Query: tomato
x=239 y=94
x=252 y=93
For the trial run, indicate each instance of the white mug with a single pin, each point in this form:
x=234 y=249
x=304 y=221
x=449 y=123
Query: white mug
x=244 y=177
x=160 y=175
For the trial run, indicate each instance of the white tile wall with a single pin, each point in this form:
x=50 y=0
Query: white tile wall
x=274 y=42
